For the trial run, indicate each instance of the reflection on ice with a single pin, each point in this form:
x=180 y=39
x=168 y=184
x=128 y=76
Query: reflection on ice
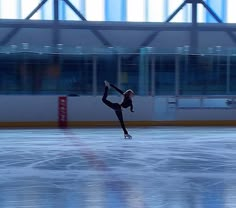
x=160 y=167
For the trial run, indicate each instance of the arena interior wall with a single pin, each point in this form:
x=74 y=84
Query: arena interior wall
x=89 y=111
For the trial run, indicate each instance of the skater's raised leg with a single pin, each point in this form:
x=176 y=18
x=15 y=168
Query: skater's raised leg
x=104 y=98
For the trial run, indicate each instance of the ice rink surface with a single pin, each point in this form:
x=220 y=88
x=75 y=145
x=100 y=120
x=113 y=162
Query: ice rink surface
x=161 y=167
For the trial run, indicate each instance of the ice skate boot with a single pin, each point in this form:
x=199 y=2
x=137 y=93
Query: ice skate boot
x=127 y=136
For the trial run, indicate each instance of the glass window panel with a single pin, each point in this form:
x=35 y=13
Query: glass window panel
x=233 y=74
x=165 y=74
x=172 y=6
x=129 y=73
x=8 y=9
x=201 y=11
x=76 y=75
x=94 y=10
x=218 y=7
x=230 y=16
x=69 y=13
x=136 y=10
x=47 y=10
x=187 y=13
x=62 y=8
x=202 y=74
x=156 y=11
x=28 y=6
x=115 y=14
x=104 y=65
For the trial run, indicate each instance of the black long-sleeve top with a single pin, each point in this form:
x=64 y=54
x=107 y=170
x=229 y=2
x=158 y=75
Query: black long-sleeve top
x=127 y=101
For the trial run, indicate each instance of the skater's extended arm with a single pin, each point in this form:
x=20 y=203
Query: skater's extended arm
x=117 y=89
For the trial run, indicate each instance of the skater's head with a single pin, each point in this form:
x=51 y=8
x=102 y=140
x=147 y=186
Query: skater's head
x=129 y=93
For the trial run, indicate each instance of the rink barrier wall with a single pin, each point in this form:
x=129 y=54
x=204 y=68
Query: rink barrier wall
x=89 y=111
x=92 y=124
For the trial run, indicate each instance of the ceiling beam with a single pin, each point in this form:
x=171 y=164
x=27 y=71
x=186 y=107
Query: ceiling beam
x=47 y=24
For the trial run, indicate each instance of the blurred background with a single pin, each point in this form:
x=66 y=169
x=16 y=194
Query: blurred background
x=171 y=48
x=164 y=47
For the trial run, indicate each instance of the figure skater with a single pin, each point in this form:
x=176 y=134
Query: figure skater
x=126 y=102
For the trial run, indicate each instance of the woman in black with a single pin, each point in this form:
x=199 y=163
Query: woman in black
x=126 y=102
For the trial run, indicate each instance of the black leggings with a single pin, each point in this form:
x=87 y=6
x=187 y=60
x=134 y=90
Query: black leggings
x=116 y=107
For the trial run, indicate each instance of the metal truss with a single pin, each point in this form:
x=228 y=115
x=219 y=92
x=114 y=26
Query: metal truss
x=195 y=27
x=94 y=31
x=47 y=24
x=231 y=35
x=53 y=24
x=95 y=28
x=13 y=32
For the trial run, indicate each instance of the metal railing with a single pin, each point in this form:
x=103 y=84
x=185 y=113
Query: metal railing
x=28 y=69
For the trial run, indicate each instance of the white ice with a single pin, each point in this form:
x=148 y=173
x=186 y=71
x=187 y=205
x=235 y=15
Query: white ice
x=96 y=168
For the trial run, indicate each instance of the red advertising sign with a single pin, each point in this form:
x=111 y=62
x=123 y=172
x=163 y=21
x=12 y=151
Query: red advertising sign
x=62 y=111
